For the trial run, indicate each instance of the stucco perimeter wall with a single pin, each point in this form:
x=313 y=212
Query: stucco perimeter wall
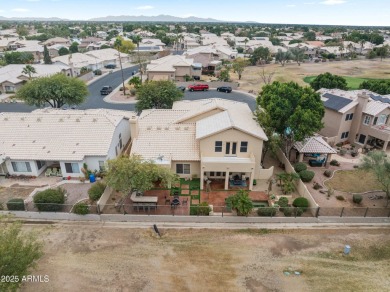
x=104 y=198
x=299 y=185
x=233 y=85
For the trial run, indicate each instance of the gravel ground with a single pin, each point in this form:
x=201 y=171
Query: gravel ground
x=75 y=193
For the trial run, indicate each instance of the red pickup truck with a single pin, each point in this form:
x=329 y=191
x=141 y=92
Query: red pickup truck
x=198 y=87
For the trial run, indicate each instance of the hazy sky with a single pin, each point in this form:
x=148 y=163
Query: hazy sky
x=347 y=12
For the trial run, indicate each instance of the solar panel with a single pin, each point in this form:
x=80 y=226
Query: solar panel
x=336 y=102
x=380 y=98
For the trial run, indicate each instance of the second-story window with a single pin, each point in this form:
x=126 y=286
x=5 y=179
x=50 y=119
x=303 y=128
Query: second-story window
x=120 y=141
x=218 y=146
x=366 y=120
x=244 y=146
x=348 y=117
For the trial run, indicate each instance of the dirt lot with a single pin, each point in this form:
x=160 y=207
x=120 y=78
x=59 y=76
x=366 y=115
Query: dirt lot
x=292 y=72
x=94 y=258
x=14 y=192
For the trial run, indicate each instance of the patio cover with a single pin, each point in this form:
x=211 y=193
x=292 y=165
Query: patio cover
x=314 y=144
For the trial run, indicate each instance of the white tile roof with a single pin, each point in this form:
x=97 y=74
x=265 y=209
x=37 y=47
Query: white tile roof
x=213 y=124
x=58 y=135
x=12 y=72
x=375 y=107
x=168 y=63
x=79 y=60
x=314 y=144
x=106 y=54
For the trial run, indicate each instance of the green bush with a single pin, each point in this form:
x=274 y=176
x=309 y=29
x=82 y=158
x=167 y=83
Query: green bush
x=328 y=173
x=96 y=191
x=340 y=198
x=334 y=162
x=266 y=211
x=81 y=208
x=15 y=205
x=50 y=200
x=301 y=202
x=343 y=151
x=202 y=210
x=296 y=212
x=306 y=175
x=97 y=72
x=357 y=199
x=283 y=202
x=300 y=166
x=317 y=186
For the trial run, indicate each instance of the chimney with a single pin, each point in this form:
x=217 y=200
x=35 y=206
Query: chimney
x=134 y=128
x=362 y=99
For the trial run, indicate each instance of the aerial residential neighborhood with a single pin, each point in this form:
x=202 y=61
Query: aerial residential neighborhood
x=151 y=147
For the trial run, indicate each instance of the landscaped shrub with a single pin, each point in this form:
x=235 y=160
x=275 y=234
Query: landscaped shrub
x=317 y=186
x=300 y=166
x=340 y=198
x=283 y=202
x=96 y=190
x=328 y=173
x=266 y=211
x=301 y=202
x=202 y=210
x=50 y=200
x=15 y=205
x=356 y=166
x=334 y=162
x=357 y=199
x=81 y=208
x=343 y=151
x=97 y=72
x=296 y=212
x=241 y=203
x=306 y=175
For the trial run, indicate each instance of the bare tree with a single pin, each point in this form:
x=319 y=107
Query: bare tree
x=267 y=76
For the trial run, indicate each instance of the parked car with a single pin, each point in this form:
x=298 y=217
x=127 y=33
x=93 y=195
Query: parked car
x=226 y=89
x=106 y=90
x=198 y=87
x=182 y=88
x=110 y=66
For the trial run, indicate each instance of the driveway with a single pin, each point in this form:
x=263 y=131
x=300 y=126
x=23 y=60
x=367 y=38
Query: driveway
x=95 y=100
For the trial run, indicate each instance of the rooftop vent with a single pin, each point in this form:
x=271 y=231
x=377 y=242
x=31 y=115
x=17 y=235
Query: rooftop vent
x=94 y=120
x=5 y=119
x=44 y=147
x=166 y=128
x=177 y=128
x=77 y=120
x=61 y=120
x=149 y=128
x=77 y=144
x=39 y=119
x=22 y=118
x=186 y=128
x=158 y=128
x=34 y=141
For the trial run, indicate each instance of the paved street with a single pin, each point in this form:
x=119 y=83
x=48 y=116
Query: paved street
x=95 y=100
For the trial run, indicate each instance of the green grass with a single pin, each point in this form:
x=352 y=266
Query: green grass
x=353 y=82
x=193 y=184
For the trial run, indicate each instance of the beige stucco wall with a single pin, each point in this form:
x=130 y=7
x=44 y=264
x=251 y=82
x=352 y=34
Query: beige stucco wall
x=255 y=146
x=345 y=126
x=331 y=120
x=150 y=75
x=194 y=168
x=182 y=71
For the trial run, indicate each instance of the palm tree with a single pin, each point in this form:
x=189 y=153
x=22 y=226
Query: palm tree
x=136 y=39
x=362 y=42
x=117 y=45
x=350 y=48
x=245 y=42
x=341 y=49
x=29 y=70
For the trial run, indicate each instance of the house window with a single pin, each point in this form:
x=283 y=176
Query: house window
x=183 y=169
x=344 y=135
x=72 y=168
x=348 y=117
x=116 y=151
x=40 y=164
x=120 y=141
x=101 y=166
x=231 y=148
x=218 y=146
x=21 y=166
x=212 y=173
x=218 y=173
x=367 y=120
x=382 y=119
x=244 y=147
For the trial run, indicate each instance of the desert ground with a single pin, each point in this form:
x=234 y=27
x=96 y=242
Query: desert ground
x=251 y=79
x=109 y=258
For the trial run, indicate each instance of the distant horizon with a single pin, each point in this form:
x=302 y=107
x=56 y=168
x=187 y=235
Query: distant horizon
x=298 y=12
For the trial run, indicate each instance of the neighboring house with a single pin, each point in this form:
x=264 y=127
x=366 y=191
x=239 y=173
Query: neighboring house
x=88 y=41
x=97 y=45
x=5 y=43
x=101 y=34
x=57 y=41
x=360 y=117
x=77 y=61
x=152 y=42
x=208 y=56
x=62 y=139
x=12 y=78
x=337 y=51
x=35 y=50
x=109 y=56
x=175 y=68
x=53 y=50
x=207 y=138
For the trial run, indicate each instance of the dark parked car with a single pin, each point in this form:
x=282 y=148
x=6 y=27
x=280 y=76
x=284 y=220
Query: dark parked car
x=106 y=90
x=110 y=66
x=226 y=89
x=182 y=88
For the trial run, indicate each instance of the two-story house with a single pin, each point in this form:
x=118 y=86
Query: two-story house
x=208 y=138
x=358 y=116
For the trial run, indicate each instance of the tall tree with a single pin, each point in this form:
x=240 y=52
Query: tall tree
x=63 y=51
x=123 y=46
x=379 y=164
x=241 y=203
x=56 y=90
x=74 y=48
x=46 y=56
x=136 y=39
x=19 y=58
x=127 y=173
x=295 y=112
x=297 y=54
x=378 y=86
x=29 y=70
x=383 y=51
x=19 y=252
x=157 y=94
x=329 y=81
x=282 y=57
x=260 y=55
x=239 y=65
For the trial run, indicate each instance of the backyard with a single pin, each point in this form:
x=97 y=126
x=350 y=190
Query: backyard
x=85 y=257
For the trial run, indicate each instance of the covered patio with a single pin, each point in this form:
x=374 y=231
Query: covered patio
x=315 y=150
